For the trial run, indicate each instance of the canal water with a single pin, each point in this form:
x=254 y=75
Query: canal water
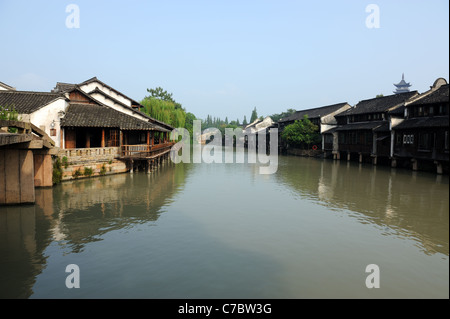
x=226 y=231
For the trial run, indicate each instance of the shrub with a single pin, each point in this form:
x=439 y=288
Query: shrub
x=76 y=173
x=88 y=171
x=57 y=171
x=103 y=170
x=65 y=162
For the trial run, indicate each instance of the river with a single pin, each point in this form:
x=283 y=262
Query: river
x=226 y=231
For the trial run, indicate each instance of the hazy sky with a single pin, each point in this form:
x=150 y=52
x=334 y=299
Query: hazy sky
x=226 y=57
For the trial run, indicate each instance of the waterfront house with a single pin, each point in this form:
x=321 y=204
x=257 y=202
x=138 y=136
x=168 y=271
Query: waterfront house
x=323 y=117
x=74 y=119
x=364 y=130
x=421 y=139
x=108 y=95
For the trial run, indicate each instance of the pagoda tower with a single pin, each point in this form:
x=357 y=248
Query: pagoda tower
x=402 y=86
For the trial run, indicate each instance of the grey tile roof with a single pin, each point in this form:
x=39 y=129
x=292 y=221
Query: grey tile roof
x=379 y=105
x=361 y=126
x=89 y=115
x=25 y=102
x=63 y=87
x=438 y=96
x=160 y=123
x=314 y=112
x=423 y=122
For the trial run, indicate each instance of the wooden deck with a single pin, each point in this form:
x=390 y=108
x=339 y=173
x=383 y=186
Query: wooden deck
x=144 y=151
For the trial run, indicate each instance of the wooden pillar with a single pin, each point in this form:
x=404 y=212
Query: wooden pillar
x=103 y=138
x=153 y=138
x=88 y=140
x=148 y=137
x=61 y=138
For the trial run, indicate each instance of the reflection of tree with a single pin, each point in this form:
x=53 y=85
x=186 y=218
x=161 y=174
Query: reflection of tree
x=404 y=203
x=77 y=213
x=91 y=208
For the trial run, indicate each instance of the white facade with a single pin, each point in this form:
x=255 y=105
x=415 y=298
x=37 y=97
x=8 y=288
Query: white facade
x=89 y=87
x=49 y=117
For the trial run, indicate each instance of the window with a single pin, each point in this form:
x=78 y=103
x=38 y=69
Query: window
x=408 y=139
x=113 y=139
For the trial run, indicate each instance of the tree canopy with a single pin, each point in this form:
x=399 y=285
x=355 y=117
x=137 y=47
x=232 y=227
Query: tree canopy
x=301 y=133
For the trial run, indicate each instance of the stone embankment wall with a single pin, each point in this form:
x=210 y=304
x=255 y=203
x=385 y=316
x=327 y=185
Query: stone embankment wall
x=88 y=162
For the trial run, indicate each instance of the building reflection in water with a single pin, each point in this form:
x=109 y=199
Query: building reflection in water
x=74 y=214
x=400 y=202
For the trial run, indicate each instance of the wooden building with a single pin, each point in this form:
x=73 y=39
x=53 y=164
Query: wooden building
x=364 y=130
x=422 y=138
x=323 y=117
x=74 y=119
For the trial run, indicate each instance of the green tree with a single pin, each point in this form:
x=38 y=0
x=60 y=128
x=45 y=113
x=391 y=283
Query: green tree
x=254 y=116
x=161 y=94
x=9 y=114
x=278 y=116
x=302 y=133
x=245 y=123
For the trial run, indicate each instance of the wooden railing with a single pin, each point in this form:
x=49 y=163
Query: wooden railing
x=144 y=150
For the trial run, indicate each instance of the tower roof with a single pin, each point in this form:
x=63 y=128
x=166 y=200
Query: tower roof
x=403 y=83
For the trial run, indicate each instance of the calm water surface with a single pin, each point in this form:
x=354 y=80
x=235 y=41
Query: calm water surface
x=225 y=231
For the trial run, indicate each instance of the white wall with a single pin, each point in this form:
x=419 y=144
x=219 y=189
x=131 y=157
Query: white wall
x=44 y=117
x=91 y=86
x=116 y=106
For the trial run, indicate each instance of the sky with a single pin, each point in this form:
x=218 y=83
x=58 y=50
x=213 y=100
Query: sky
x=224 y=58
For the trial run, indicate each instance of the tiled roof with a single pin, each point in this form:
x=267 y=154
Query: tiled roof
x=421 y=122
x=63 y=87
x=379 y=104
x=89 y=115
x=25 y=102
x=438 y=96
x=361 y=126
x=313 y=113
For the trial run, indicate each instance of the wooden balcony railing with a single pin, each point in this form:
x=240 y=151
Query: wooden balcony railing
x=144 y=150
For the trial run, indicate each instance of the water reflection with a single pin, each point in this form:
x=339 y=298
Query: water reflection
x=399 y=202
x=74 y=214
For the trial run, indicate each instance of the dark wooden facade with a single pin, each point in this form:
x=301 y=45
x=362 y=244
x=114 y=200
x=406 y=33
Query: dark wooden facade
x=423 y=136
